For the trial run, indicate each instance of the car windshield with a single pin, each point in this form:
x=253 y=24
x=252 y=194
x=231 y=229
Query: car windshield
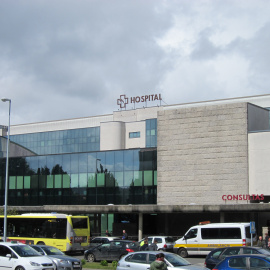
x=52 y=251
x=25 y=251
x=176 y=260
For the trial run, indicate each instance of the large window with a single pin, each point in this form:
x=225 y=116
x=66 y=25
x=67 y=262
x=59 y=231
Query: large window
x=111 y=177
x=62 y=141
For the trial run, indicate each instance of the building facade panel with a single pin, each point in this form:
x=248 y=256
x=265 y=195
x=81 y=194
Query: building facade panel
x=208 y=136
x=259 y=158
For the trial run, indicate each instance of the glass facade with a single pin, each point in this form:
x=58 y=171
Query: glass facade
x=62 y=141
x=95 y=178
x=151 y=132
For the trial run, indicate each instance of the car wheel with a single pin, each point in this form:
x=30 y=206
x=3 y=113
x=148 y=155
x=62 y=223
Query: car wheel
x=40 y=243
x=90 y=257
x=19 y=268
x=182 y=252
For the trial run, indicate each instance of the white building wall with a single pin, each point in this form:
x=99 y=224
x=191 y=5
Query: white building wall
x=112 y=136
x=60 y=125
x=259 y=160
x=135 y=142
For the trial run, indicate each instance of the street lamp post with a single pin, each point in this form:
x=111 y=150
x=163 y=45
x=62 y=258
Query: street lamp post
x=96 y=177
x=6 y=181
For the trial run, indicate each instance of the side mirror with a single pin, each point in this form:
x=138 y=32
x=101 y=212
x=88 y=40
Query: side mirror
x=8 y=255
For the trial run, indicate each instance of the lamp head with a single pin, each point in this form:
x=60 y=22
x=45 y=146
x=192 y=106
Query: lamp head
x=5 y=99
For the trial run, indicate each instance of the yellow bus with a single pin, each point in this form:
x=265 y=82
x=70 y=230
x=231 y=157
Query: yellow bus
x=66 y=232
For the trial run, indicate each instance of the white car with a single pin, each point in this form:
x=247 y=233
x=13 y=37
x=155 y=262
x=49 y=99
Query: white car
x=164 y=243
x=22 y=257
x=141 y=260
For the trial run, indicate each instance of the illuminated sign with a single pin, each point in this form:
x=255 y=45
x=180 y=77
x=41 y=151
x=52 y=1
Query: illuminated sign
x=123 y=100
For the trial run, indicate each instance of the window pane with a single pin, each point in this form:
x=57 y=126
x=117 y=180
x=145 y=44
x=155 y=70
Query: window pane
x=91 y=162
x=58 y=180
x=138 y=178
x=119 y=179
x=91 y=179
x=66 y=181
x=83 y=180
x=148 y=178
x=12 y=182
x=110 y=180
x=27 y=182
x=119 y=160
x=74 y=183
x=155 y=178
x=19 y=182
x=100 y=179
x=128 y=160
x=49 y=181
x=128 y=179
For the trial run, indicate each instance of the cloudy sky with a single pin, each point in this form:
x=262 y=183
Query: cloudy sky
x=63 y=59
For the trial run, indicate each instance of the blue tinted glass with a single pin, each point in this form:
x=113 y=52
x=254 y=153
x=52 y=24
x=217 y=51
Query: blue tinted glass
x=119 y=160
x=74 y=163
x=128 y=160
x=109 y=161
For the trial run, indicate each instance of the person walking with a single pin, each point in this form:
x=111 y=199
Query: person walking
x=125 y=235
x=159 y=263
x=145 y=245
x=153 y=246
x=107 y=233
x=261 y=242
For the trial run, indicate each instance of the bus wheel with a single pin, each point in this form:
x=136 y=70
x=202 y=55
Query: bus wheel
x=40 y=243
x=182 y=252
x=90 y=257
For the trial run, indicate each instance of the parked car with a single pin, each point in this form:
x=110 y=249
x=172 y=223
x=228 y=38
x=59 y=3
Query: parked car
x=102 y=240
x=61 y=260
x=141 y=260
x=22 y=257
x=164 y=243
x=217 y=255
x=247 y=262
x=111 y=251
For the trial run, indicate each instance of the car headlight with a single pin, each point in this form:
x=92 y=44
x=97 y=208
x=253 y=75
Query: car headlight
x=34 y=264
x=61 y=261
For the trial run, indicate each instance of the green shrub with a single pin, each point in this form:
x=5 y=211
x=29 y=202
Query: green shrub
x=104 y=263
x=83 y=261
x=114 y=264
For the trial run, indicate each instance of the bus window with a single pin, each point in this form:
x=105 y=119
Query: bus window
x=79 y=223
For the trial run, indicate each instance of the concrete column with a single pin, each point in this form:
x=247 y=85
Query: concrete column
x=222 y=218
x=140 y=233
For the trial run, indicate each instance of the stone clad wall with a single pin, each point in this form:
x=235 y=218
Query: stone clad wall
x=202 y=154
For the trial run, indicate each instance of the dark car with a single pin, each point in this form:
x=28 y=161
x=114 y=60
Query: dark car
x=111 y=251
x=217 y=255
x=61 y=260
x=101 y=240
x=247 y=262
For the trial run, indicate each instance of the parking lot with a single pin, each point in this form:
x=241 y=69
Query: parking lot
x=199 y=260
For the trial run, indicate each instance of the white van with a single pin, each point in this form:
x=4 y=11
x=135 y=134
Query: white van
x=201 y=239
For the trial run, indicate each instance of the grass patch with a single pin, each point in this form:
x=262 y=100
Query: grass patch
x=97 y=265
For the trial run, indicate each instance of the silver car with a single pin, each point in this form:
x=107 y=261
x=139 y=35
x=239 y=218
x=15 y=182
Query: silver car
x=141 y=260
x=62 y=261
